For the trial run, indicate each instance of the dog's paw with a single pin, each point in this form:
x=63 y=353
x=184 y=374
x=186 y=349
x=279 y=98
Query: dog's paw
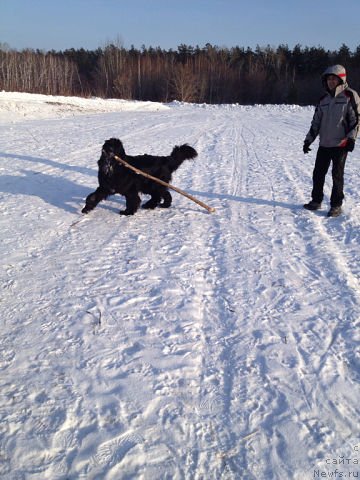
x=126 y=212
x=86 y=210
x=149 y=206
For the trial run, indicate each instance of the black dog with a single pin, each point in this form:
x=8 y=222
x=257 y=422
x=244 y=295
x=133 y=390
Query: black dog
x=115 y=178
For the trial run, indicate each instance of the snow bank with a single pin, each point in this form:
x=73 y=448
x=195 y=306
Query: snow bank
x=22 y=106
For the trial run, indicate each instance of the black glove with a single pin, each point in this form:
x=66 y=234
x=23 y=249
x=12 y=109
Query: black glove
x=350 y=144
x=306 y=147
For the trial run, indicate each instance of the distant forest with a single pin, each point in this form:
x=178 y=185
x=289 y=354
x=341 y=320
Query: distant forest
x=211 y=74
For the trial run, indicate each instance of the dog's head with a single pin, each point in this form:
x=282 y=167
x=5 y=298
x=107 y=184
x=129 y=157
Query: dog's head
x=112 y=147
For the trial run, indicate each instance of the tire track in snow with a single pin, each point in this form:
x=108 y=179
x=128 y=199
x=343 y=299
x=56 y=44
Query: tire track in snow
x=215 y=441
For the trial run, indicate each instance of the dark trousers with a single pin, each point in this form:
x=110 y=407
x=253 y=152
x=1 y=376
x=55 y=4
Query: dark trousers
x=323 y=159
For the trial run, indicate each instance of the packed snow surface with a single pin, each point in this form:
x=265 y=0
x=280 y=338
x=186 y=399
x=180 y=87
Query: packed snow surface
x=175 y=344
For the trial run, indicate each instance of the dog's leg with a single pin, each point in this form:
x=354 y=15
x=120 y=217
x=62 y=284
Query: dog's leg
x=167 y=199
x=94 y=198
x=153 y=202
x=132 y=203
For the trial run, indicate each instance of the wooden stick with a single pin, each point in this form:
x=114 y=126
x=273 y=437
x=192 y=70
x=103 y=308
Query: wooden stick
x=161 y=182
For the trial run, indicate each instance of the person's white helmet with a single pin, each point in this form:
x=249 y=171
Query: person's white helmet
x=337 y=70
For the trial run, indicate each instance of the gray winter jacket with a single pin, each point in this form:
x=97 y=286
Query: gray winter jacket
x=336 y=116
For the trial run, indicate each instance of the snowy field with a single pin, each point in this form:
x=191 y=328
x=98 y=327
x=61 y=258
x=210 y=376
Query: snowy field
x=175 y=344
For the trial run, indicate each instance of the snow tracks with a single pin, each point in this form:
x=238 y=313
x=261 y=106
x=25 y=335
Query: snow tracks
x=176 y=344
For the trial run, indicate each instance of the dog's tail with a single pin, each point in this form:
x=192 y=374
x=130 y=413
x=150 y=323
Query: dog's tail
x=179 y=154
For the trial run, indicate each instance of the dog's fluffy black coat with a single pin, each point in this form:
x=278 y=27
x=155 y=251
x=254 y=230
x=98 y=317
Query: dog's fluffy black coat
x=115 y=178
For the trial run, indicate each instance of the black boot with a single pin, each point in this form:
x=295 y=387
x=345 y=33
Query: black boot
x=312 y=205
x=334 y=212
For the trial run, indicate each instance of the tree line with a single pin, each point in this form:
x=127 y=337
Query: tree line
x=210 y=74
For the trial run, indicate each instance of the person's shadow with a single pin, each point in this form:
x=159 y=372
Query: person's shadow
x=249 y=200
x=57 y=191
x=51 y=163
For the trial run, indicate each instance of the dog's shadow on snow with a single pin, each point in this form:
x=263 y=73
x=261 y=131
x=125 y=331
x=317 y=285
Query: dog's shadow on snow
x=66 y=194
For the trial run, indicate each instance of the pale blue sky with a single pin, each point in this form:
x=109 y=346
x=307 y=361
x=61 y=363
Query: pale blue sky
x=62 y=24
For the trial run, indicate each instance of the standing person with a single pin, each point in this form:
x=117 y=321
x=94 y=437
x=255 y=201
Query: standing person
x=336 y=121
